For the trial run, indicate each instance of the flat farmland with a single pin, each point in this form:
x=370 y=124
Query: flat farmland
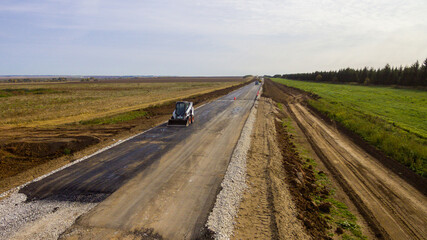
x=391 y=119
x=43 y=104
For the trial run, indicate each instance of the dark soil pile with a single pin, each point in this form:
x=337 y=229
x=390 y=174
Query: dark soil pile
x=302 y=184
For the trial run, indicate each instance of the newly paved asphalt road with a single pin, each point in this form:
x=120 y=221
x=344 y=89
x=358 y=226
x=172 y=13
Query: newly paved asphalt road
x=165 y=179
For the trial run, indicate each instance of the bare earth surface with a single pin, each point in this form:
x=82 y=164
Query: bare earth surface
x=160 y=184
x=267 y=210
x=306 y=151
x=393 y=208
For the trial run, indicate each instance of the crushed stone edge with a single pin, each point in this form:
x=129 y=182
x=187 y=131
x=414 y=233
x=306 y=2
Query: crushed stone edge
x=221 y=219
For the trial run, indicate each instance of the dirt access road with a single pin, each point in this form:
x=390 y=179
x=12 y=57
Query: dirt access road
x=393 y=208
x=162 y=182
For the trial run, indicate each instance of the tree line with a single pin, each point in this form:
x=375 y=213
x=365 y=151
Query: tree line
x=25 y=80
x=414 y=75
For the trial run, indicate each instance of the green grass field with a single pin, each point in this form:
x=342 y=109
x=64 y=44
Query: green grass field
x=394 y=120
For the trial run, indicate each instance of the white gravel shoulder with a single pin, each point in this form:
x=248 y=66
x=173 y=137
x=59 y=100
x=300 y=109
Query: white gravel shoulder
x=43 y=219
x=221 y=219
x=37 y=219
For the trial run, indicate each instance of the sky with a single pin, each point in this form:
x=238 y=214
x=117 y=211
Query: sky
x=206 y=38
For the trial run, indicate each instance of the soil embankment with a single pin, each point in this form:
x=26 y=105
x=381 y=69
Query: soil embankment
x=392 y=207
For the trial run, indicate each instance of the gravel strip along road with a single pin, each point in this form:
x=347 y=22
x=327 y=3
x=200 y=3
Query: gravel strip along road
x=38 y=219
x=161 y=184
x=221 y=219
x=392 y=207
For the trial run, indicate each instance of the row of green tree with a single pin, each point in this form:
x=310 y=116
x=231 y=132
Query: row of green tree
x=414 y=75
x=89 y=79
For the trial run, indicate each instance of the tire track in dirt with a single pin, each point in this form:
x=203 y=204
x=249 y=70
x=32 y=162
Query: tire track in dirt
x=373 y=223
x=359 y=171
x=392 y=207
x=377 y=194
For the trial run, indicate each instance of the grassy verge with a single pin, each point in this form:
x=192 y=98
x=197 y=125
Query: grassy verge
x=336 y=213
x=123 y=117
x=393 y=120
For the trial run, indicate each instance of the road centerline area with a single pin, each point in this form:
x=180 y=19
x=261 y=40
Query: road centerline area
x=165 y=179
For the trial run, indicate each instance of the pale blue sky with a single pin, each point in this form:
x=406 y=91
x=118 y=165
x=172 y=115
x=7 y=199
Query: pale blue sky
x=190 y=37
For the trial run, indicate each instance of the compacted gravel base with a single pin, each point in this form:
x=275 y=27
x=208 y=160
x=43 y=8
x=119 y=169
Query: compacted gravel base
x=44 y=219
x=40 y=219
x=221 y=220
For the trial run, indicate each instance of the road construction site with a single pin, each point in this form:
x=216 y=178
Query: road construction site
x=52 y=124
x=226 y=176
x=162 y=183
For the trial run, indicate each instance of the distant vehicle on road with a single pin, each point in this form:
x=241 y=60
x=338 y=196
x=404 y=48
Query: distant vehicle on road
x=183 y=115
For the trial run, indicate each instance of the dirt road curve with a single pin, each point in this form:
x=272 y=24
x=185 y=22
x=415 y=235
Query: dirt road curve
x=393 y=208
x=161 y=182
